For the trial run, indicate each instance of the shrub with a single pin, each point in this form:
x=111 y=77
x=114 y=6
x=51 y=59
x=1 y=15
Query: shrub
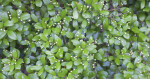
x=83 y=39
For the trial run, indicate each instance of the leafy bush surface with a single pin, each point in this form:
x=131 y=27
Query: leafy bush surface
x=74 y=39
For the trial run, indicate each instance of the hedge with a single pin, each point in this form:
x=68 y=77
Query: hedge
x=74 y=39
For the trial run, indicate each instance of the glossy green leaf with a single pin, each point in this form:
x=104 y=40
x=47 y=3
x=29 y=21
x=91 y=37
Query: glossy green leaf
x=42 y=58
x=75 y=14
x=38 y=26
x=86 y=15
x=25 y=16
x=43 y=37
x=85 y=64
x=34 y=17
x=38 y=3
x=97 y=56
x=118 y=76
x=12 y=35
x=9 y=23
x=84 y=24
x=2 y=33
x=104 y=12
x=77 y=62
x=58 y=66
x=75 y=42
x=88 y=1
x=90 y=47
x=130 y=65
x=111 y=41
x=46 y=2
x=70 y=35
x=4 y=16
x=69 y=65
x=36 y=68
x=142 y=4
x=135 y=30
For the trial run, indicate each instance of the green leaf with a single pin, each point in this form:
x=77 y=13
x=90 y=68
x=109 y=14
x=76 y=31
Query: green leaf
x=115 y=3
x=12 y=35
x=25 y=16
x=69 y=65
x=130 y=65
x=2 y=76
x=38 y=26
x=27 y=60
x=70 y=35
x=84 y=24
x=5 y=41
x=2 y=33
x=80 y=6
x=142 y=4
x=142 y=16
x=65 y=49
x=104 y=12
x=142 y=36
x=111 y=41
x=46 y=2
x=85 y=51
x=1 y=24
x=36 y=68
x=33 y=76
x=58 y=41
x=98 y=56
x=42 y=58
x=16 y=53
x=50 y=7
x=17 y=66
x=135 y=29
x=102 y=73
x=118 y=76
x=62 y=73
x=91 y=47
x=137 y=60
x=67 y=56
x=52 y=13
x=77 y=62
x=83 y=44
x=9 y=23
x=63 y=13
x=88 y=1
x=34 y=17
x=60 y=53
x=56 y=18
x=77 y=50
x=80 y=68
x=75 y=14
x=86 y=15
x=6 y=61
x=41 y=71
x=43 y=37
x=85 y=64
x=75 y=42
x=117 y=61
x=126 y=35
x=38 y=3
x=12 y=68
x=70 y=76
x=4 y=16
x=58 y=66
x=75 y=23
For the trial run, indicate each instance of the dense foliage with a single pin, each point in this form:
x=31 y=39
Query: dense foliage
x=74 y=39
